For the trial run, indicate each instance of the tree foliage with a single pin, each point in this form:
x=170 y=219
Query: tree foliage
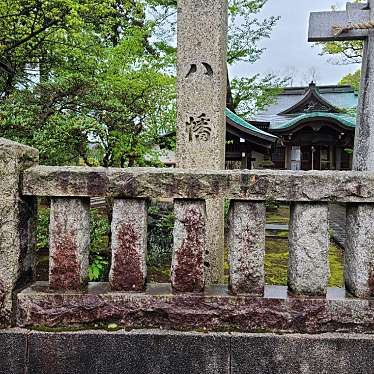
x=344 y=52
x=94 y=81
x=353 y=79
x=255 y=93
x=97 y=81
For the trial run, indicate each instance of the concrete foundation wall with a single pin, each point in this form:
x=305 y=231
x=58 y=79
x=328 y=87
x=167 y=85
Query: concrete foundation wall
x=164 y=352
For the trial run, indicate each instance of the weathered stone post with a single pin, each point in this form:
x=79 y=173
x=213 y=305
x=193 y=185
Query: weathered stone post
x=359 y=257
x=17 y=216
x=246 y=247
x=69 y=242
x=201 y=102
x=129 y=245
x=188 y=272
x=308 y=264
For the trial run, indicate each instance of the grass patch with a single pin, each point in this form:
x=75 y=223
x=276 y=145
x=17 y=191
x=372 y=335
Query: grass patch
x=277 y=233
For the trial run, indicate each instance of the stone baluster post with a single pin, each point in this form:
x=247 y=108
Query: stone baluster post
x=359 y=261
x=308 y=266
x=129 y=245
x=359 y=250
x=69 y=241
x=188 y=271
x=246 y=247
x=17 y=219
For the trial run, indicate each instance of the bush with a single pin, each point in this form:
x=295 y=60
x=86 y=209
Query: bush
x=271 y=204
x=99 y=262
x=160 y=234
x=160 y=238
x=100 y=229
x=42 y=229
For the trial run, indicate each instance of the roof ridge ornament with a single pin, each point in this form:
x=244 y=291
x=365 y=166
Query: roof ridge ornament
x=312 y=101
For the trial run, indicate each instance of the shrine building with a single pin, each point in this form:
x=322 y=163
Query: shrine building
x=306 y=128
x=314 y=128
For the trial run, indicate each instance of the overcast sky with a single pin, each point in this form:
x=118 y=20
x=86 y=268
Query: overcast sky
x=288 y=48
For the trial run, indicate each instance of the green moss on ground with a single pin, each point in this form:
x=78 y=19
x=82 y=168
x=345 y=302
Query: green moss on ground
x=276 y=264
x=281 y=215
x=159 y=274
x=279 y=234
x=276 y=259
x=336 y=267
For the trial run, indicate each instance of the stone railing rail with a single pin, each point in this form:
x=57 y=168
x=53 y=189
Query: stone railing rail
x=187 y=302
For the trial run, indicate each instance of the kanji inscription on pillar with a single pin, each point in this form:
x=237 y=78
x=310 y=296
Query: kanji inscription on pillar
x=201 y=83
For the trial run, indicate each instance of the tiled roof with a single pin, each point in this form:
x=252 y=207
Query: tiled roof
x=340 y=96
x=253 y=129
x=345 y=120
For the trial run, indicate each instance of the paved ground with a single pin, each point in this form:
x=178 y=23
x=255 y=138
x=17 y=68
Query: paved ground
x=338 y=223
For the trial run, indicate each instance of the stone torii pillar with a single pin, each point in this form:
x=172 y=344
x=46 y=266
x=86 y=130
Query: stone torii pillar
x=323 y=28
x=356 y=23
x=201 y=103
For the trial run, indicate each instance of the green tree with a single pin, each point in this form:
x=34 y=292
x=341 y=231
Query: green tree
x=344 y=52
x=255 y=93
x=97 y=81
x=249 y=93
x=353 y=79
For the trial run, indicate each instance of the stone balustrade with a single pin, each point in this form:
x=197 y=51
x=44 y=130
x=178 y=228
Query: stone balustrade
x=188 y=302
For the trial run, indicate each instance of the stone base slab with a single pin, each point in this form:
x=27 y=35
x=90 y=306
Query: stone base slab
x=215 y=310
x=171 y=352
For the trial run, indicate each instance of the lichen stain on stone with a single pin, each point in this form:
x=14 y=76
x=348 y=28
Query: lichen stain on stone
x=127 y=263
x=65 y=272
x=215 y=185
x=193 y=186
x=96 y=183
x=244 y=183
x=371 y=282
x=64 y=180
x=129 y=185
x=260 y=186
x=248 y=282
x=2 y=295
x=189 y=268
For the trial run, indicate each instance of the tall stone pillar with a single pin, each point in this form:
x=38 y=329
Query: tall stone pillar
x=201 y=102
x=363 y=156
x=358 y=258
x=16 y=222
